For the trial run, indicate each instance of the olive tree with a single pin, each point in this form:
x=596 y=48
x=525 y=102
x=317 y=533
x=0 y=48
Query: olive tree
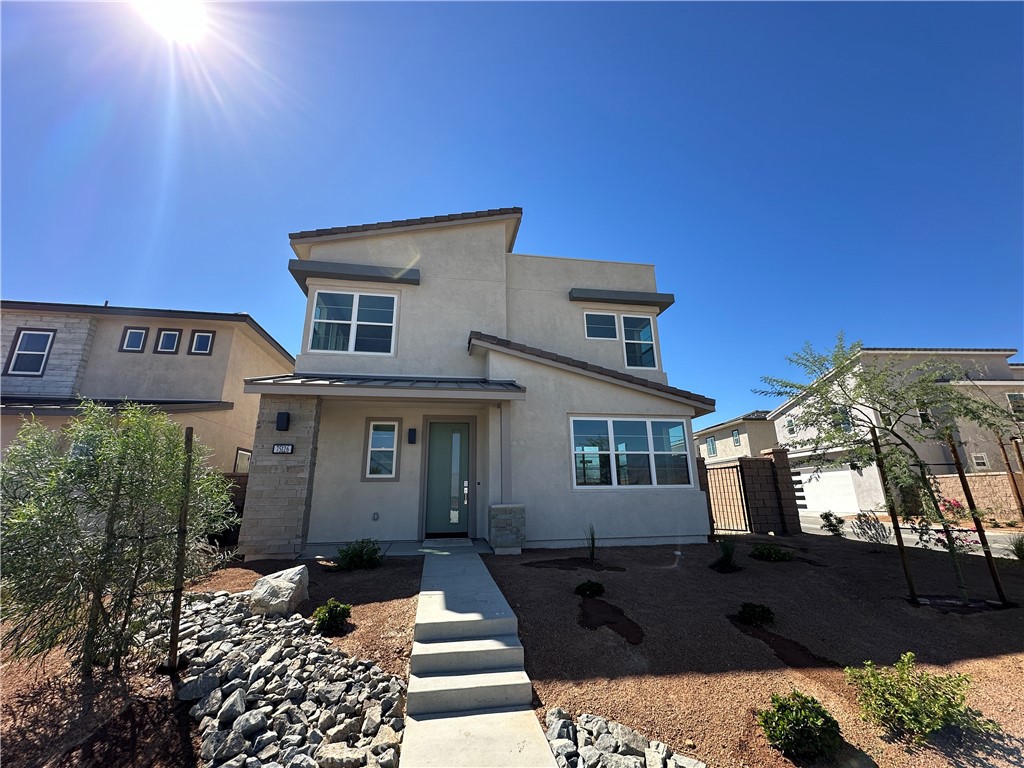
x=89 y=524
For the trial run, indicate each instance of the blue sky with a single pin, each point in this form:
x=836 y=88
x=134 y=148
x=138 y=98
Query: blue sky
x=792 y=170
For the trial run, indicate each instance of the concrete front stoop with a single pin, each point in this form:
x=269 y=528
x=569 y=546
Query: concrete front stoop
x=468 y=702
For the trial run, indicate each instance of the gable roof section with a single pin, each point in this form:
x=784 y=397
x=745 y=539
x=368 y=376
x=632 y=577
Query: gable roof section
x=514 y=213
x=183 y=314
x=477 y=338
x=752 y=416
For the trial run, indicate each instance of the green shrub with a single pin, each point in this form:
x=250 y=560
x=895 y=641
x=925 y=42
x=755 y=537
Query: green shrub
x=912 y=702
x=1011 y=523
x=330 y=618
x=726 y=552
x=590 y=589
x=364 y=553
x=772 y=553
x=755 y=615
x=590 y=542
x=800 y=727
x=1017 y=545
x=832 y=523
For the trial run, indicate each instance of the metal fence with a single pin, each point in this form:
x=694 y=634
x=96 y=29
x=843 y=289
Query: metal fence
x=728 y=499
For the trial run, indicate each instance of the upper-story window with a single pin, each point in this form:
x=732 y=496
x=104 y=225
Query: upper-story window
x=134 y=339
x=712 y=449
x=1016 y=401
x=735 y=437
x=638 y=337
x=201 y=343
x=29 y=353
x=790 y=426
x=167 y=341
x=353 y=322
x=600 y=325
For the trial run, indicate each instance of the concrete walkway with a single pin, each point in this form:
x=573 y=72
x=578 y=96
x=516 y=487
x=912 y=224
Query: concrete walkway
x=468 y=703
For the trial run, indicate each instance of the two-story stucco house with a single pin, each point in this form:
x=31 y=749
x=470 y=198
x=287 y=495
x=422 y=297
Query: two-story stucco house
x=847 y=490
x=746 y=435
x=189 y=364
x=446 y=384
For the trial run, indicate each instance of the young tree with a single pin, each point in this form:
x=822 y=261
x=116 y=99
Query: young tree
x=89 y=520
x=884 y=412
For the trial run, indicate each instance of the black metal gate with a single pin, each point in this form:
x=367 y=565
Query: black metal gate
x=728 y=499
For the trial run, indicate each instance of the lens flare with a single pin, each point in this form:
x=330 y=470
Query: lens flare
x=180 y=21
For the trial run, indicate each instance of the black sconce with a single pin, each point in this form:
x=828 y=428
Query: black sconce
x=412 y=437
x=283 y=418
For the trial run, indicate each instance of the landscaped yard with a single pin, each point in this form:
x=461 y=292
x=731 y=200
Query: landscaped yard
x=696 y=678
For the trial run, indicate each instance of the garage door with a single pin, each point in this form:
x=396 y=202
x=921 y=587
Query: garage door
x=831 y=491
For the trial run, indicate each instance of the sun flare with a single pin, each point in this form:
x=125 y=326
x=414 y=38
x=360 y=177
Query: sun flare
x=180 y=21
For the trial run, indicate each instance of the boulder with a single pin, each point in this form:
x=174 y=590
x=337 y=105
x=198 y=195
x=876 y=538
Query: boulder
x=340 y=756
x=280 y=592
x=232 y=708
x=630 y=742
x=556 y=713
x=199 y=687
x=251 y=723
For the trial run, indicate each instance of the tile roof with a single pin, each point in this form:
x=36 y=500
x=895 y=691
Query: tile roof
x=41 y=404
x=610 y=373
x=388 y=382
x=938 y=349
x=405 y=223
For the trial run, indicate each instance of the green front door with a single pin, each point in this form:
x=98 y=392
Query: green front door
x=448 y=479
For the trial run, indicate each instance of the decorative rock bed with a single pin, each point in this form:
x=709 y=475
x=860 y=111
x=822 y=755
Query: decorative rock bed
x=272 y=695
x=594 y=742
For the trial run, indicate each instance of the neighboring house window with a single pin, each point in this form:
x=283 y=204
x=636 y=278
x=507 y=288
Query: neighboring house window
x=134 y=339
x=201 y=343
x=1016 y=400
x=924 y=416
x=980 y=460
x=790 y=426
x=29 y=353
x=382 y=450
x=242 y=459
x=735 y=437
x=841 y=419
x=638 y=338
x=353 y=322
x=712 y=448
x=167 y=341
x=600 y=326
x=621 y=452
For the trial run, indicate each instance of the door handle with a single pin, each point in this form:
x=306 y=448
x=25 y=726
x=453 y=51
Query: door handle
x=465 y=492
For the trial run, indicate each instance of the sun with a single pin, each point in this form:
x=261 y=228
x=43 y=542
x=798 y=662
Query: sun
x=180 y=21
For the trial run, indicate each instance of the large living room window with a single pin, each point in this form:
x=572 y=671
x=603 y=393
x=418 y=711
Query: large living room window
x=629 y=452
x=30 y=351
x=353 y=322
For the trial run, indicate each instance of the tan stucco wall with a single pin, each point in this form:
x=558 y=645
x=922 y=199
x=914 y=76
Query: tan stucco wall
x=755 y=437
x=9 y=426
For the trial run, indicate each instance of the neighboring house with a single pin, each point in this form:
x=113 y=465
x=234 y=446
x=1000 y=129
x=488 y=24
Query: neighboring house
x=446 y=384
x=847 y=490
x=189 y=364
x=746 y=435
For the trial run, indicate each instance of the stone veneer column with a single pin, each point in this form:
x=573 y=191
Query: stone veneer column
x=785 y=488
x=277 y=499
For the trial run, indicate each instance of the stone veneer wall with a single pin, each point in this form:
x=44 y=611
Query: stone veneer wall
x=279 y=489
x=992 y=492
x=65 y=365
x=507 y=528
x=770 y=493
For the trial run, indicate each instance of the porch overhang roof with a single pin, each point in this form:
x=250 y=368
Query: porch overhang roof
x=26 y=405
x=388 y=387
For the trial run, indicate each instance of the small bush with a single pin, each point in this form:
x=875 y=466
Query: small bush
x=1017 y=545
x=800 y=727
x=364 y=553
x=867 y=526
x=590 y=589
x=772 y=553
x=755 y=615
x=1011 y=523
x=833 y=523
x=330 y=618
x=912 y=702
x=590 y=542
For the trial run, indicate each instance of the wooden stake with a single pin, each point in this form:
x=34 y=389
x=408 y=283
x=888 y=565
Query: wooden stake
x=179 y=556
x=891 y=507
x=1009 y=472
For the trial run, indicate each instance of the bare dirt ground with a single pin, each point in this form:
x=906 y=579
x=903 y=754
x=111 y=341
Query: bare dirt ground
x=696 y=678
x=49 y=717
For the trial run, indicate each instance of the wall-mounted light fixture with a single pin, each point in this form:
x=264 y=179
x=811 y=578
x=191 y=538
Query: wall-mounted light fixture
x=283 y=419
x=412 y=437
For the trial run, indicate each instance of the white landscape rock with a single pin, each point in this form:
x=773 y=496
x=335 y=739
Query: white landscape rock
x=280 y=592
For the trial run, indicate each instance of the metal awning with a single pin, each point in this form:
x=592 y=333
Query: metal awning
x=416 y=387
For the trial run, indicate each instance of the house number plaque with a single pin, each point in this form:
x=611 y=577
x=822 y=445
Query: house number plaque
x=283 y=447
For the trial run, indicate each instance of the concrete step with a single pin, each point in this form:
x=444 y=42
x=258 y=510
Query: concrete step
x=502 y=738
x=432 y=628
x=459 y=600
x=435 y=693
x=505 y=652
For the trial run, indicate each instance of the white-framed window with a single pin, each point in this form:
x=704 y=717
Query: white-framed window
x=167 y=341
x=133 y=339
x=711 y=446
x=613 y=452
x=600 y=325
x=353 y=322
x=1016 y=401
x=382 y=451
x=30 y=351
x=242 y=459
x=980 y=460
x=924 y=416
x=201 y=343
x=735 y=437
x=790 y=426
x=638 y=340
